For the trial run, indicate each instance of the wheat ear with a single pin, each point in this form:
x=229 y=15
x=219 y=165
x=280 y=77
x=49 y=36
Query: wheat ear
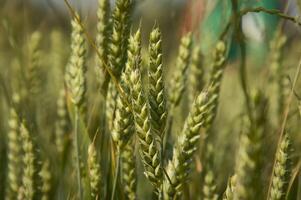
x=196 y=72
x=149 y=150
x=94 y=173
x=218 y=66
x=128 y=169
x=178 y=82
x=76 y=85
x=46 y=180
x=179 y=167
x=14 y=156
x=282 y=171
x=156 y=92
x=102 y=36
x=28 y=189
x=34 y=63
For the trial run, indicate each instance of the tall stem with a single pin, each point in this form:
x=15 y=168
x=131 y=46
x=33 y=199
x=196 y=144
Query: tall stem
x=77 y=153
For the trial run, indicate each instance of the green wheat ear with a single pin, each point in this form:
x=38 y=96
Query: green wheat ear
x=156 y=92
x=209 y=188
x=27 y=189
x=149 y=150
x=95 y=175
x=179 y=167
x=102 y=37
x=123 y=126
x=282 y=170
x=13 y=157
x=75 y=72
x=34 y=81
x=249 y=158
x=196 y=72
x=178 y=82
x=218 y=67
x=61 y=125
x=46 y=180
x=121 y=25
x=128 y=169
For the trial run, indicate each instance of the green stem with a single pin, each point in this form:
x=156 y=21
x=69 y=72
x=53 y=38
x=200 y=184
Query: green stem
x=271 y=12
x=116 y=174
x=236 y=17
x=77 y=154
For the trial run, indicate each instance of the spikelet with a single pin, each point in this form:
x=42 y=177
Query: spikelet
x=121 y=19
x=209 y=188
x=46 y=180
x=34 y=81
x=156 y=93
x=218 y=67
x=61 y=126
x=14 y=156
x=28 y=189
x=179 y=167
x=128 y=169
x=102 y=37
x=149 y=150
x=178 y=81
x=229 y=193
x=75 y=72
x=196 y=72
x=281 y=176
x=94 y=173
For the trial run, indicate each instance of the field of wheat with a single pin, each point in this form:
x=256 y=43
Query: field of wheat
x=134 y=101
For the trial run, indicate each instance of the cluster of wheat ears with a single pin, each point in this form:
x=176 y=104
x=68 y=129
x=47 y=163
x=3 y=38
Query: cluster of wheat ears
x=115 y=131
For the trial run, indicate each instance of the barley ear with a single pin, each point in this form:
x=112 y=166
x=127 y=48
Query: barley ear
x=156 y=92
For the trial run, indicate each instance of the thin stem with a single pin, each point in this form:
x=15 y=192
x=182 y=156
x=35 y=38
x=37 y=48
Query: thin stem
x=116 y=174
x=236 y=16
x=271 y=12
x=77 y=153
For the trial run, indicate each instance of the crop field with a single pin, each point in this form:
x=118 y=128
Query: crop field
x=150 y=100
